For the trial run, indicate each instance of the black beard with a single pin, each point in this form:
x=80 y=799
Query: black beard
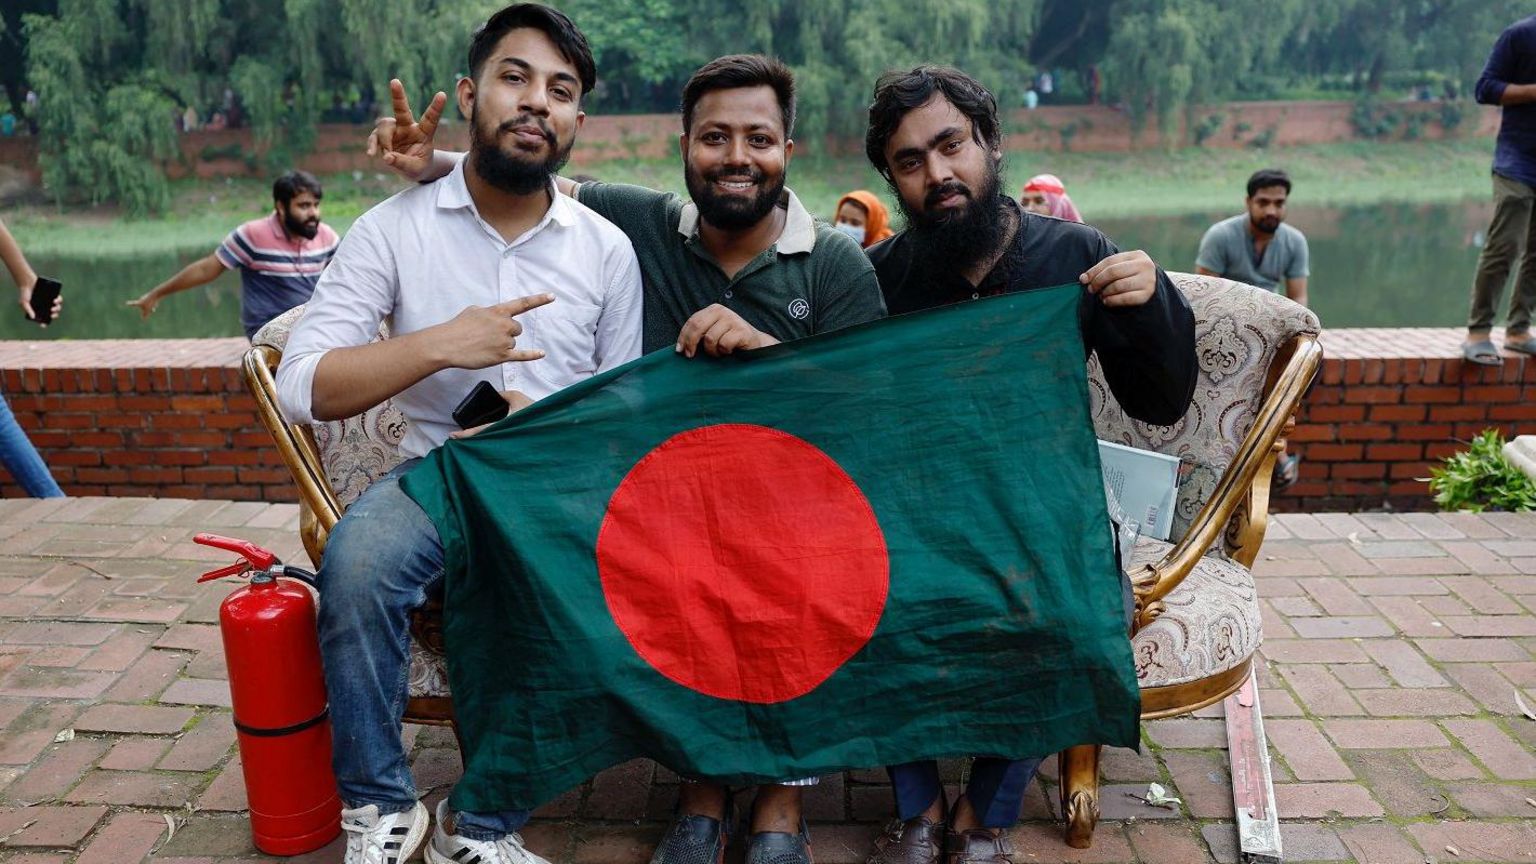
x=1268 y=225
x=510 y=174
x=304 y=229
x=950 y=240
x=731 y=213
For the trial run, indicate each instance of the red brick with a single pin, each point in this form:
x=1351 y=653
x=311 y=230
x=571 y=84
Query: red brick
x=1499 y=753
x=209 y=475
x=1422 y=394
x=1358 y=470
x=121 y=458
x=51 y=827
x=1320 y=800
x=197 y=404
x=135 y=788
x=1334 y=413
x=1377 y=395
x=60 y=768
x=178 y=457
x=1394 y=452
x=1506 y=393
x=1479 y=840
x=128 y=719
x=1398 y=413
x=1379 y=844
x=1335 y=452
x=1424 y=431
x=1443 y=413
x=1512 y=412
x=1365 y=432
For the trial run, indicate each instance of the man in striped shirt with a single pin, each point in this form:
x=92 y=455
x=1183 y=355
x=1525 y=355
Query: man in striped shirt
x=279 y=256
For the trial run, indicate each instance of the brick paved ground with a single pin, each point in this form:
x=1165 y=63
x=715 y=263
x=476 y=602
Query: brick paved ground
x=1396 y=645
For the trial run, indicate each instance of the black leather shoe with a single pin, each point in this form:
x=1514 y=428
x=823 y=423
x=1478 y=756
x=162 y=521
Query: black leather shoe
x=778 y=847
x=919 y=841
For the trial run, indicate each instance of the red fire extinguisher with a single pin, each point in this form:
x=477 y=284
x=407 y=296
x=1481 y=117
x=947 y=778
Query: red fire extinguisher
x=278 y=690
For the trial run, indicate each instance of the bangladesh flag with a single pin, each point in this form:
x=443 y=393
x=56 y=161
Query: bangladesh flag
x=864 y=548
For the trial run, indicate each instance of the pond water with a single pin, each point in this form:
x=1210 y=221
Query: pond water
x=1388 y=265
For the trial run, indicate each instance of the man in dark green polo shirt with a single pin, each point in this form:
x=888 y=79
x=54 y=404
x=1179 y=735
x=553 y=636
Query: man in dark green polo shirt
x=742 y=265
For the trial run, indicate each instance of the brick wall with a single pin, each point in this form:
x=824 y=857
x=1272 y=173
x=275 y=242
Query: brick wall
x=1390 y=404
x=171 y=418
x=1082 y=128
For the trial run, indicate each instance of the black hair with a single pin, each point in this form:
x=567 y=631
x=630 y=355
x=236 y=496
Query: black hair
x=1268 y=177
x=899 y=93
x=742 y=70
x=286 y=187
x=568 y=39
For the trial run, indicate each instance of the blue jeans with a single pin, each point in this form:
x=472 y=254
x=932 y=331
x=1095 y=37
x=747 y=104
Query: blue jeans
x=996 y=788
x=21 y=458
x=379 y=564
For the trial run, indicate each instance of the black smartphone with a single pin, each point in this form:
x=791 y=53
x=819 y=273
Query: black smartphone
x=483 y=405
x=43 y=294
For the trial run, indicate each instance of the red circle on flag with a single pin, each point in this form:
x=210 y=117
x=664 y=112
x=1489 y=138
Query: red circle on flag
x=742 y=562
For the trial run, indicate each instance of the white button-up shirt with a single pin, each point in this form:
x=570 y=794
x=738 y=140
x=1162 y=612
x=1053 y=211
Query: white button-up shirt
x=424 y=255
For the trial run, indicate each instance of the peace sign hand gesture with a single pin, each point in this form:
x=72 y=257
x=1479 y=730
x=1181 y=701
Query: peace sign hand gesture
x=404 y=143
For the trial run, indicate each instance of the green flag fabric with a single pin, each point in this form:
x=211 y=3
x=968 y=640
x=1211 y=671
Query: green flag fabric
x=863 y=548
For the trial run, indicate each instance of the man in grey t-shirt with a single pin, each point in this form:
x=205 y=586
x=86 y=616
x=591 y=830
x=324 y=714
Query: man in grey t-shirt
x=1257 y=247
x=1260 y=249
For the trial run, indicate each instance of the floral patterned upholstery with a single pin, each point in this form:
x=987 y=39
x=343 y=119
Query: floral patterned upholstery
x=1237 y=331
x=1211 y=620
x=355 y=452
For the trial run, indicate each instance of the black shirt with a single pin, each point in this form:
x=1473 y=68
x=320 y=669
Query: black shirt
x=1147 y=351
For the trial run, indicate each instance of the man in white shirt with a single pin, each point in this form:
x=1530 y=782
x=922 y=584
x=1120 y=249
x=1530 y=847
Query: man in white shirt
x=464 y=269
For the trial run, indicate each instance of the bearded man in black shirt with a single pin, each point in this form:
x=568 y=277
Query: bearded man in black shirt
x=934 y=135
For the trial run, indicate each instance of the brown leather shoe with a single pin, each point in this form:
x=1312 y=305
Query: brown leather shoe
x=914 y=842
x=977 y=846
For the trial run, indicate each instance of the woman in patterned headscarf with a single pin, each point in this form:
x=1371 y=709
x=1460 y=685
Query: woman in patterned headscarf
x=1045 y=194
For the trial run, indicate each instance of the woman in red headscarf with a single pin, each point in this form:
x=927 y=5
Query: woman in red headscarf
x=1045 y=194
x=861 y=216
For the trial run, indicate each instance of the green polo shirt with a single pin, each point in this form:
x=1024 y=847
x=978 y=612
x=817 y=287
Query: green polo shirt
x=813 y=280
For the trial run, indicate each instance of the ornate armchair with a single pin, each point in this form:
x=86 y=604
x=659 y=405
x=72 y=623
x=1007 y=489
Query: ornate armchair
x=332 y=463
x=1196 y=625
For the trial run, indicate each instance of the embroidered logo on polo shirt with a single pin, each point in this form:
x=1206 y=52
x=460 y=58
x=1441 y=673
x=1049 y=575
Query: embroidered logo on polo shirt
x=799 y=309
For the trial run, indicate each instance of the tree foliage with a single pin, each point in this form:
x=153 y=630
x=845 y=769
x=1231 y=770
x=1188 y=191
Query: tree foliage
x=113 y=74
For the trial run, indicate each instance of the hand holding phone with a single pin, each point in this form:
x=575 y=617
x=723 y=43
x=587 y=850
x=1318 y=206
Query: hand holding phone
x=44 y=293
x=483 y=405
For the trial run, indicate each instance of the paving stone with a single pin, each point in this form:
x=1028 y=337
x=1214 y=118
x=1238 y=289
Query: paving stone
x=1415 y=703
x=824 y=802
x=630 y=844
x=128 y=837
x=1341 y=627
x=216 y=836
x=41 y=682
x=1188 y=733
x=1164 y=843
x=1409 y=617
x=1221 y=839
x=1360 y=676
x=147 y=677
x=1306 y=751
x=135 y=788
x=1374 y=734
x=620 y=792
x=207 y=744
x=60 y=768
x=1395 y=780
x=1319 y=800
x=128 y=719
x=1335 y=596
x=191 y=637
x=1304 y=842
x=1483 y=682
x=1494 y=800
x=31 y=733
x=1378 y=549
x=1397 y=586
x=1498 y=752
x=1343 y=559
x=51 y=827
x=1478 y=593
x=1473 y=650
x=1320 y=692
x=118 y=652
x=1406 y=665
x=1476 y=841
x=844 y=844
x=135 y=754
x=1123 y=765
x=1313 y=650
x=227 y=791
x=1203 y=781
x=197 y=691
x=1447 y=765
x=1379 y=844
x=1110 y=845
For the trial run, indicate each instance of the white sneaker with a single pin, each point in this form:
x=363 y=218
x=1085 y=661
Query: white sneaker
x=383 y=839
x=448 y=848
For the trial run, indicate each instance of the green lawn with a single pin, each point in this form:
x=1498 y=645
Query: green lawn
x=1102 y=184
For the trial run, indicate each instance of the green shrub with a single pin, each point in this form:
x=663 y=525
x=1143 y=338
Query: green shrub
x=1480 y=478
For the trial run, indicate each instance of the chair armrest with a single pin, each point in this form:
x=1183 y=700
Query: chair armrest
x=1298 y=362
x=296 y=445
